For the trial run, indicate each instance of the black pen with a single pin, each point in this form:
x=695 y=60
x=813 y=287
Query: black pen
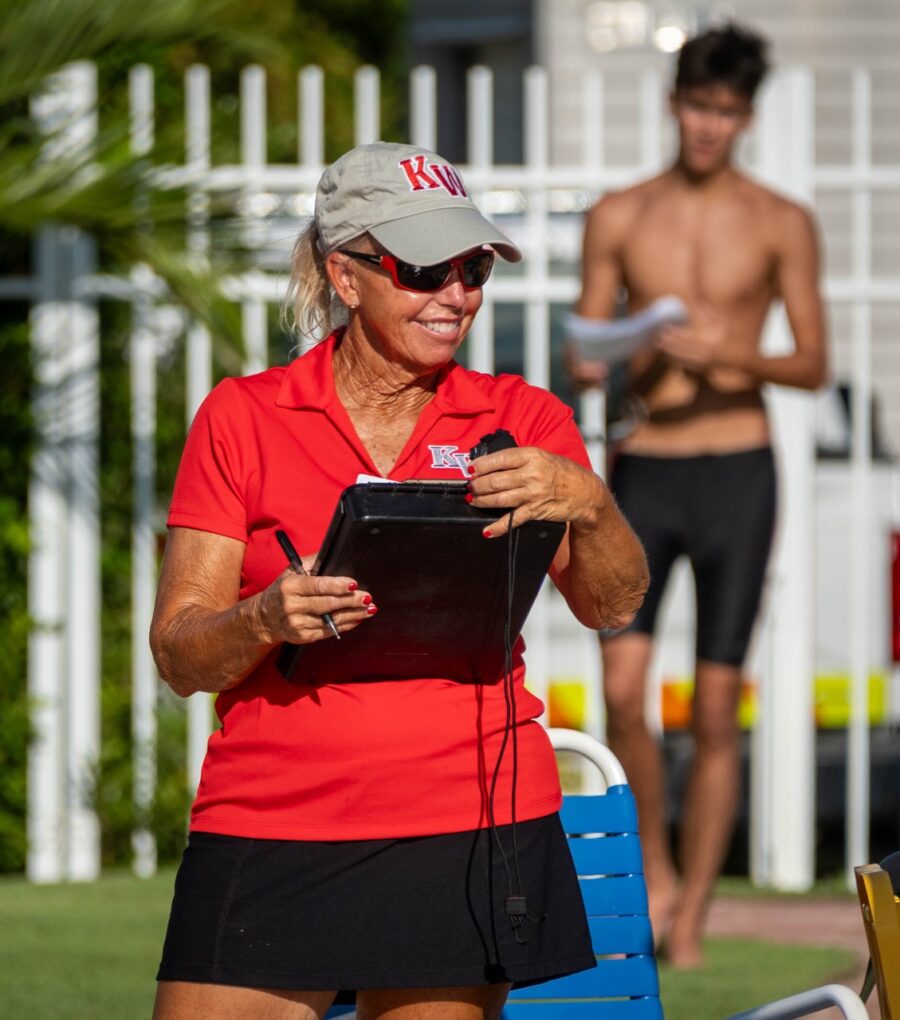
x=297 y=565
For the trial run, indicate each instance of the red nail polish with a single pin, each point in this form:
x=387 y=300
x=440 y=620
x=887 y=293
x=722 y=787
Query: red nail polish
x=469 y=497
x=366 y=599
x=352 y=586
x=487 y=533
x=372 y=610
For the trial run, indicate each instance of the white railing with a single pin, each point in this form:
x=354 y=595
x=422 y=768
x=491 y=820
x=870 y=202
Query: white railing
x=538 y=203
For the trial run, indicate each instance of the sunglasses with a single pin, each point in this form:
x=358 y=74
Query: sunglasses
x=474 y=270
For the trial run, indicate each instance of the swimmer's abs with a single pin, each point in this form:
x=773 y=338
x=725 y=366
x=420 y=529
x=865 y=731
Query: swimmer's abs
x=694 y=431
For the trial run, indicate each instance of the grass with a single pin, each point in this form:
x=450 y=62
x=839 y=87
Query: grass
x=89 y=952
x=82 y=952
x=829 y=887
x=741 y=973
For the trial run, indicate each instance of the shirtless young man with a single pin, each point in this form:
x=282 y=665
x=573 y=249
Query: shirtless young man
x=696 y=477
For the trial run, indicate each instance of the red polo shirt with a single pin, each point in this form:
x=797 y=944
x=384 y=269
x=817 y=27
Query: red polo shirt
x=365 y=760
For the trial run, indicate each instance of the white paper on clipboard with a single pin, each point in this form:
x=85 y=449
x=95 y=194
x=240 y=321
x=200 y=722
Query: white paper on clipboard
x=613 y=340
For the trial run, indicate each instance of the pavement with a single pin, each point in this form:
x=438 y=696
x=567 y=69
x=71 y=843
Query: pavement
x=816 y=922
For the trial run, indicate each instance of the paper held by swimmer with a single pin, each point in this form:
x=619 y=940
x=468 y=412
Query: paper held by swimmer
x=614 y=340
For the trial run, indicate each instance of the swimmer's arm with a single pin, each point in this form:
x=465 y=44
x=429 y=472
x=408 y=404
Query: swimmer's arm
x=797 y=279
x=601 y=264
x=601 y=278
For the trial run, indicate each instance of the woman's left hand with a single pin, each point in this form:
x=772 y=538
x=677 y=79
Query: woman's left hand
x=536 y=485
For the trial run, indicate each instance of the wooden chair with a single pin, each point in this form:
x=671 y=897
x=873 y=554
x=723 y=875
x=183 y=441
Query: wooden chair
x=881 y=920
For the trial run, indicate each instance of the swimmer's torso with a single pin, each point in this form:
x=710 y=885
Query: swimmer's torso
x=715 y=248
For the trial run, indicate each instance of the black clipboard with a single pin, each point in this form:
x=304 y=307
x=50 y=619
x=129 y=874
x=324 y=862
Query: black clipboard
x=441 y=588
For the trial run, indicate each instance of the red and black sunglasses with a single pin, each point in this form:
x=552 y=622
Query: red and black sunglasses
x=474 y=270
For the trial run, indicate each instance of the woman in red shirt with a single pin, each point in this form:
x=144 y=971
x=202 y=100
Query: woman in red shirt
x=371 y=838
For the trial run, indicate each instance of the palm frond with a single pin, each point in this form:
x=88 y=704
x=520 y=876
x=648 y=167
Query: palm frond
x=38 y=37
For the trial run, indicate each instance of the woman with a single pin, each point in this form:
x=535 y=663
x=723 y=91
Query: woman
x=340 y=839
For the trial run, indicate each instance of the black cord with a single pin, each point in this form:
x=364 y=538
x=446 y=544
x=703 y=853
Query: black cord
x=516 y=905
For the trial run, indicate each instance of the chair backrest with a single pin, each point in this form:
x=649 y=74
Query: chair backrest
x=603 y=839
x=881 y=919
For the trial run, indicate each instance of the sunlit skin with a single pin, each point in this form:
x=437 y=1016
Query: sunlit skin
x=397 y=337
x=710 y=121
x=728 y=247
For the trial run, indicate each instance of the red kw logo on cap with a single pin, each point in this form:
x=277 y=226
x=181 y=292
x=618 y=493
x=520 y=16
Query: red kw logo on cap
x=425 y=176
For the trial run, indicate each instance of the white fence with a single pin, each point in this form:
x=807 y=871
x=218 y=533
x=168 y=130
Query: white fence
x=539 y=203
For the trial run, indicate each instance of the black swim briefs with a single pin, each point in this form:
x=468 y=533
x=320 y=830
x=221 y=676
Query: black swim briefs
x=719 y=511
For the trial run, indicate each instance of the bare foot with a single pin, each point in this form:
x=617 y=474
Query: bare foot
x=661 y=898
x=684 y=944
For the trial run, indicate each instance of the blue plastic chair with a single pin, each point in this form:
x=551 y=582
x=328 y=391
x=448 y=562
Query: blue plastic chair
x=603 y=839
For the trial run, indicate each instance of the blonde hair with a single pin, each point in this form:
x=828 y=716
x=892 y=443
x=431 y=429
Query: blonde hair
x=311 y=308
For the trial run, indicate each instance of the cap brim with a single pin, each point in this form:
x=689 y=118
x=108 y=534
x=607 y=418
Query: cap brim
x=436 y=235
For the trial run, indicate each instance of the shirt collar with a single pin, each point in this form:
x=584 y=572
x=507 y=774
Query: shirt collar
x=308 y=383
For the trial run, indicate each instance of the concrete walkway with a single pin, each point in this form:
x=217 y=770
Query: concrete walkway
x=820 y=922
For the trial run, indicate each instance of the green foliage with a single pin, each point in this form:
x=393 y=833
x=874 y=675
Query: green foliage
x=15 y=427
x=116 y=197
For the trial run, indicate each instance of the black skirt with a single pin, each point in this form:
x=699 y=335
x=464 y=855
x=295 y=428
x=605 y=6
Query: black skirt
x=423 y=912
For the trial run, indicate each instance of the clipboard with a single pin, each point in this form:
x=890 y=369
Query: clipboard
x=441 y=588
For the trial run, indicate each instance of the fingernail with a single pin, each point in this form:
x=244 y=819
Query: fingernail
x=352 y=586
x=366 y=599
x=487 y=533
x=372 y=610
x=469 y=497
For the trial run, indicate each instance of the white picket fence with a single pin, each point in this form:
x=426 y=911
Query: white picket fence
x=538 y=203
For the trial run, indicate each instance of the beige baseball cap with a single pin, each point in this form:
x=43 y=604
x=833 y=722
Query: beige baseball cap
x=412 y=201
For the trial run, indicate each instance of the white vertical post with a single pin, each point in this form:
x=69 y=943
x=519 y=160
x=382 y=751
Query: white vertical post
x=46 y=576
x=651 y=121
x=143 y=572
x=143 y=536
x=537 y=313
x=592 y=403
x=140 y=95
x=366 y=104
x=253 y=149
x=82 y=415
x=537 y=328
x=199 y=350
x=592 y=406
x=311 y=103
x=253 y=155
x=861 y=575
x=423 y=107
x=255 y=327
x=480 y=107
x=66 y=112
x=592 y=127
x=786 y=737
x=651 y=160
x=253 y=117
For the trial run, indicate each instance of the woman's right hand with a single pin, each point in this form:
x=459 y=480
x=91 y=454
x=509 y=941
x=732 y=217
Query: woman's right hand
x=294 y=605
x=205 y=637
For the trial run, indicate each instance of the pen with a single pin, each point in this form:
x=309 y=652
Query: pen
x=297 y=565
